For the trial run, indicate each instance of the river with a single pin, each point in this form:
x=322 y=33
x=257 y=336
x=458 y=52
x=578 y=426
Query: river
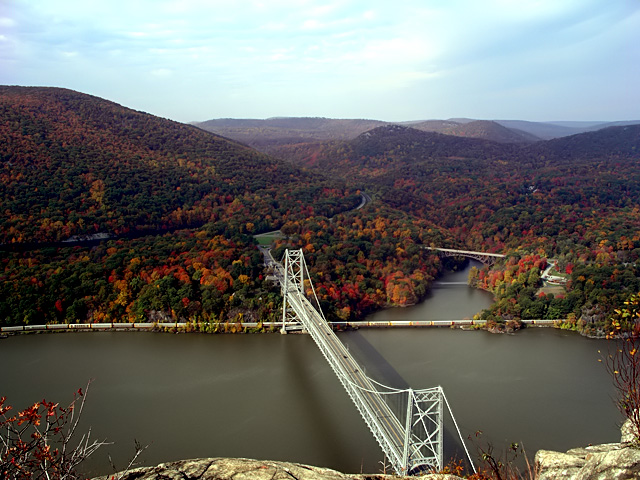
x=274 y=397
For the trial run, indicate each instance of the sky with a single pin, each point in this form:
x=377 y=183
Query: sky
x=393 y=60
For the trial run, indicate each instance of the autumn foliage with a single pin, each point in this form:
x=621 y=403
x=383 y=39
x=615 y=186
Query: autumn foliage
x=38 y=442
x=182 y=206
x=572 y=199
x=623 y=360
x=182 y=203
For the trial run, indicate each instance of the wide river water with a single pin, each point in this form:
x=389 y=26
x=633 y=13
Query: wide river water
x=274 y=396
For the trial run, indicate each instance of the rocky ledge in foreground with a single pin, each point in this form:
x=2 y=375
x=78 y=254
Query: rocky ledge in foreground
x=611 y=461
x=245 y=469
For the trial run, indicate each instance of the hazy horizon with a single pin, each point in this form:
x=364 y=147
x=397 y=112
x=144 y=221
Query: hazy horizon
x=449 y=119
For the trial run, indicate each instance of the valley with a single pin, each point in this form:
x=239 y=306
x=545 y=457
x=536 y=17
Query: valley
x=184 y=205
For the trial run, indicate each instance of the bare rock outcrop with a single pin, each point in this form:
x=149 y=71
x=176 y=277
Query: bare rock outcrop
x=245 y=469
x=611 y=461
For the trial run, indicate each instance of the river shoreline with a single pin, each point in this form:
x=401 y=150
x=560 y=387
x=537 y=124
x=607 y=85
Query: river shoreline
x=249 y=327
x=391 y=317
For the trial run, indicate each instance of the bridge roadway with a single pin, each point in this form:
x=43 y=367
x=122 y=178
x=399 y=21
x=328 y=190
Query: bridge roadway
x=382 y=422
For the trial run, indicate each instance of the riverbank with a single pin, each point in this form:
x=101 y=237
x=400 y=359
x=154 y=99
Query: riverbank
x=244 y=327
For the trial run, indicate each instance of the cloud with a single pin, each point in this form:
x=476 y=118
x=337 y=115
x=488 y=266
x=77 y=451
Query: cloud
x=288 y=56
x=162 y=72
x=6 y=22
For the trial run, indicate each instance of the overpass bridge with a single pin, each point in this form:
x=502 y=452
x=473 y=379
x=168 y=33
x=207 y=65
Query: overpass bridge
x=486 y=258
x=407 y=424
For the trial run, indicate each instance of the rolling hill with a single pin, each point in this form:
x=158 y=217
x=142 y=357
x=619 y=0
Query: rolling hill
x=483 y=129
x=510 y=195
x=550 y=130
x=274 y=134
x=271 y=134
x=73 y=164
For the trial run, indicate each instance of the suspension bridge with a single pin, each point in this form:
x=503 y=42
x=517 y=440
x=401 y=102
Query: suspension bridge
x=407 y=424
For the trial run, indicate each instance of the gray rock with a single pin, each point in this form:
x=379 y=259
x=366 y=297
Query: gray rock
x=617 y=464
x=245 y=469
x=555 y=465
x=627 y=432
x=591 y=449
x=612 y=461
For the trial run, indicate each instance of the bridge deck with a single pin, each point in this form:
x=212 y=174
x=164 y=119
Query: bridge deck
x=411 y=437
x=381 y=420
x=463 y=252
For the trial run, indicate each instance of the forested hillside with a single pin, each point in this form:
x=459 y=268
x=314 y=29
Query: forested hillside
x=500 y=197
x=183 y=205
x=483 y=129
x=72 y=164
x=575 y=199
x=76 y=165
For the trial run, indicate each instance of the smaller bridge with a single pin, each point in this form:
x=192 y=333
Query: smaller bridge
x=486 y=258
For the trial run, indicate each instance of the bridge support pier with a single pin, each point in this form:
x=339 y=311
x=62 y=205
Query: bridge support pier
x=293 y=284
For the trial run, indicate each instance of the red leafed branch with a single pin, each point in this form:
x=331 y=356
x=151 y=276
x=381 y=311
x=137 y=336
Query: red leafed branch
x=40 y=441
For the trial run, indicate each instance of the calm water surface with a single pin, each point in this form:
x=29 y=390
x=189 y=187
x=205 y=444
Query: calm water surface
x=274 y=397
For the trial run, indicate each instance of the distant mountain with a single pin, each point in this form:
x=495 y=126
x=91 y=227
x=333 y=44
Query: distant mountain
x=578 y=125
x=275 y=135
x=484 y=129
x=391 y=146
x=545 y=131
x=402 y=139
x=273 y=132
x=406 y=142
x=611 y=142
x=550 y=130
x=613 y=124
x=439 y=126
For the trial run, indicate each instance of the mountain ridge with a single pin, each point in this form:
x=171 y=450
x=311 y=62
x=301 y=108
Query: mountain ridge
x=272 y=133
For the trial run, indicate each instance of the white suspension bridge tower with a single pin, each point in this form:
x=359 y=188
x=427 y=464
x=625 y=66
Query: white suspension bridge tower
x=407 y=424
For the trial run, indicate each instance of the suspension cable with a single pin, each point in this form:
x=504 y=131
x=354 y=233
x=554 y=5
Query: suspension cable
x=459 y=434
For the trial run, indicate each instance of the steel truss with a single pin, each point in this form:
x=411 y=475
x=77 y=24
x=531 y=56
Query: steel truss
x=410 y=438
x=485 y=258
